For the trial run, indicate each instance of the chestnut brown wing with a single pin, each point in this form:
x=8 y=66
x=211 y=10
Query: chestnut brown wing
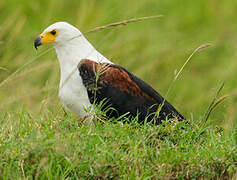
x=123 y=91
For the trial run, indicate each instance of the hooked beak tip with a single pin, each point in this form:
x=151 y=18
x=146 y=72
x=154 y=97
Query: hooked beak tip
x=37 y=42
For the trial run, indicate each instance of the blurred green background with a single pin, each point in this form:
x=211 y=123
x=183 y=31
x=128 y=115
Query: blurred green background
x=153 y=49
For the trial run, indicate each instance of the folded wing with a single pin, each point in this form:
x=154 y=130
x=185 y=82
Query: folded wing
x=124 y=92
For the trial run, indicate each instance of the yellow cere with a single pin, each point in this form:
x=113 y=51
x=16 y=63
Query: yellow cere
x=49 y=37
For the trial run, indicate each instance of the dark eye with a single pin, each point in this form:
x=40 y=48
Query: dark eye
x=53 y=32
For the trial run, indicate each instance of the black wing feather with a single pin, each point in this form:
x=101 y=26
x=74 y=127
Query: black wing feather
x=124 y=92
x=152 y=93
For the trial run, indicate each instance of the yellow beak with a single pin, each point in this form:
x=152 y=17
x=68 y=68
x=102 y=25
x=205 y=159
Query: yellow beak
x=44 y=39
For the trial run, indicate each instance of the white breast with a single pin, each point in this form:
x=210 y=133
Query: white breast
x=72 y=92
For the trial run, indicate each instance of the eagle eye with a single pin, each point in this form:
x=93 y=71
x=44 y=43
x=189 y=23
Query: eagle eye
x=53 y=32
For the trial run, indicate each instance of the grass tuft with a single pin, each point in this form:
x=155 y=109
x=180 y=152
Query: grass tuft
x=58 y=146
x=215 y=102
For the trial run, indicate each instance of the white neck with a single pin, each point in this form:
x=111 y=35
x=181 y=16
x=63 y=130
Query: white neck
x=71 y=52
x=76 y=49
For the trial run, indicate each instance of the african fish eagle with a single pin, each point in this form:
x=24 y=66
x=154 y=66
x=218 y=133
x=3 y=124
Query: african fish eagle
x=88 y=77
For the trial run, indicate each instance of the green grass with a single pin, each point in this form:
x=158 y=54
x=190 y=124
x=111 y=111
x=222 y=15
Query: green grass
x=57 y=146
x=37 y=139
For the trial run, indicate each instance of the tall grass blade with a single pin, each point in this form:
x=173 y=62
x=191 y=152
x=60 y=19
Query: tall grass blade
x=23 y=66
x=199 y=48
x=215 y=102
x=124 y=22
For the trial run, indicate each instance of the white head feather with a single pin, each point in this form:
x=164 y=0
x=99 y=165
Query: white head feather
x=71 y=45
x=65 y=31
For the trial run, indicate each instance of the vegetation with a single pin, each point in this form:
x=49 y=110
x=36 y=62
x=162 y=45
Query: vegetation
x=38 y=139
x=54 y=146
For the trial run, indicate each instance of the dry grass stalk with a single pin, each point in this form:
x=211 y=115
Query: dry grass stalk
x=4 y=69
x=124 y=22
x=215 y=102
x=22 y=67
x=199 y=48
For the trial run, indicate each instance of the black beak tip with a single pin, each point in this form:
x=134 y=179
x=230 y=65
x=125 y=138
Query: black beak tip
x=37 y=42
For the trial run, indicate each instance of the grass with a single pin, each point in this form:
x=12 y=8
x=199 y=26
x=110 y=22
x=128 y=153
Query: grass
x=39 y=140
x=57 y=146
